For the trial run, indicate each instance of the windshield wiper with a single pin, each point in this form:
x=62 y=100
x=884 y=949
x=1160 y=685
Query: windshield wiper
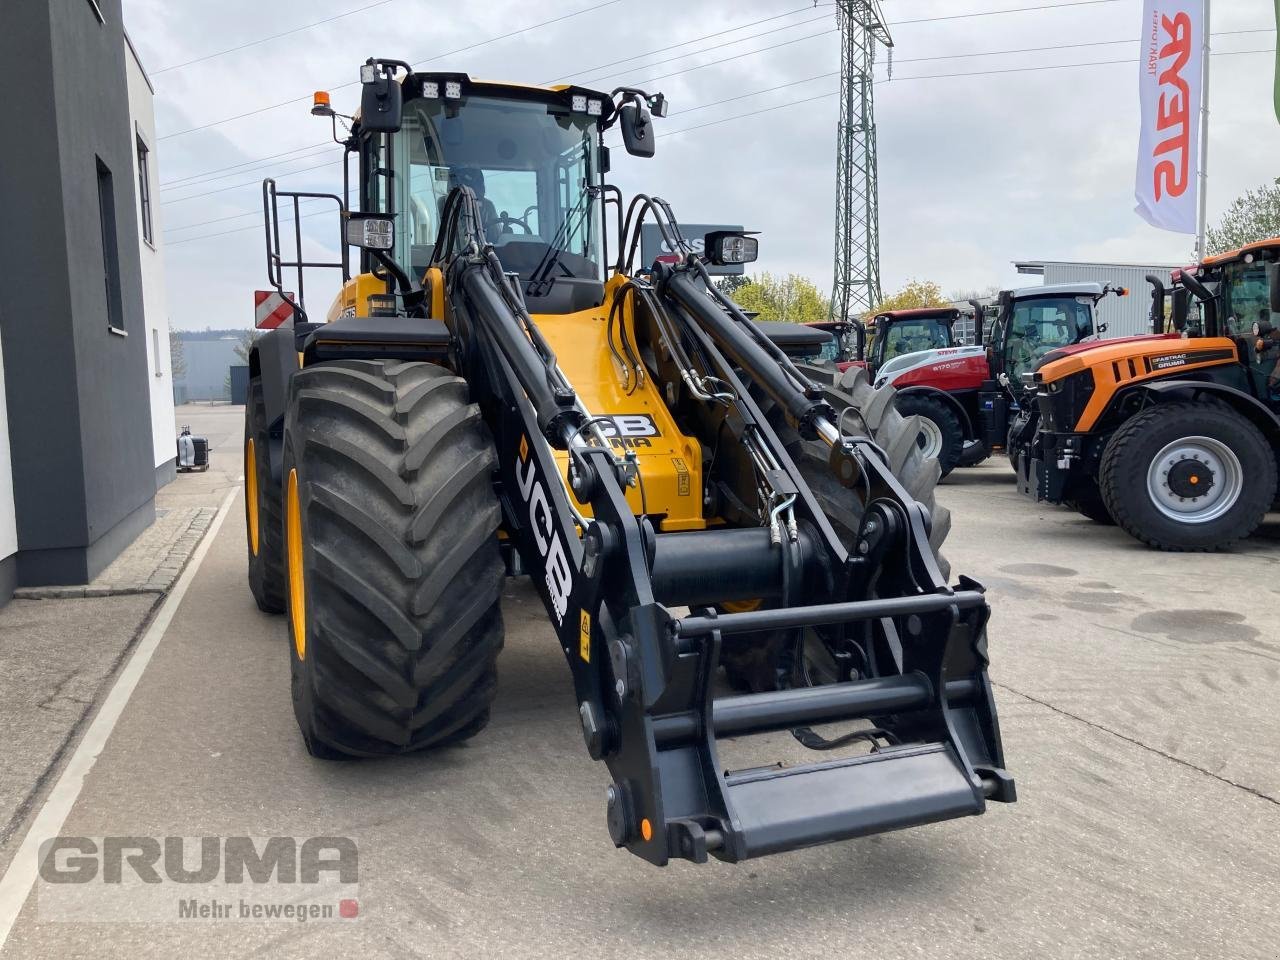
x=540 y=280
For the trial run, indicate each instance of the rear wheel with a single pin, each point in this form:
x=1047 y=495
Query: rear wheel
x=757 y=662
x=262 y=507
x=940 y=435
x=1188 y=476
x=392 y=554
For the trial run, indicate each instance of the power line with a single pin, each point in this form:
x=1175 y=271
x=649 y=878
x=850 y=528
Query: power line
x=167 y=184
x=821 y=96
x=737 y=56
x=235 y=216
x=717 y=46
x=237 y=186
x=256 y=166
x=1060 y=46
x=255 y=226
x=277 y=36
x=578 y=73
x=186 y=181
x=938 y=76
x=341 y=86
x=683 y=43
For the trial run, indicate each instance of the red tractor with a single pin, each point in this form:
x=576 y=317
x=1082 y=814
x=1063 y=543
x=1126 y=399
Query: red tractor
x=967 y=396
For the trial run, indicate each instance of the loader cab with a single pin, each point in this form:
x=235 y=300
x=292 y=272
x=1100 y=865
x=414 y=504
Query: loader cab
x=533 y=158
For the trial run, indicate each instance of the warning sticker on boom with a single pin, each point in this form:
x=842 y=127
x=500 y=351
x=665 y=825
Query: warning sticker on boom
x=682 y=476
x=584 y=636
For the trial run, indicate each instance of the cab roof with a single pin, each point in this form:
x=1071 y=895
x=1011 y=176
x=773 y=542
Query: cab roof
x=919 y=313
x=1272 y=243
x=1080 y=289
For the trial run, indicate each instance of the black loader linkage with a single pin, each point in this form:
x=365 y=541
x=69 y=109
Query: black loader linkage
x=644 y=674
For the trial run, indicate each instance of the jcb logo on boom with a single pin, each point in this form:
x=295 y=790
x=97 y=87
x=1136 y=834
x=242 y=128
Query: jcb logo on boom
x=629 y=426
x=542 y=523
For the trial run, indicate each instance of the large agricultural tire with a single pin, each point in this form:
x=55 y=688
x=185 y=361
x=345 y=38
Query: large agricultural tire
x=1188 y=476
x=263 y=507
x=394 y=572
x=941 y=436
x=751 y=661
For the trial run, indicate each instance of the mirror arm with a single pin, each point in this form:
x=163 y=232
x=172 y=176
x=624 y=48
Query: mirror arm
x=412 y=292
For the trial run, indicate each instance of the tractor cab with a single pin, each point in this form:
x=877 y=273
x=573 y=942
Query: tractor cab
x=1032 y=322
x=1234 y=295
x=897 y=333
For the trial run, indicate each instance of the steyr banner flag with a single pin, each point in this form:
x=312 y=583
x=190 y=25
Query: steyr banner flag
x=1169 y=81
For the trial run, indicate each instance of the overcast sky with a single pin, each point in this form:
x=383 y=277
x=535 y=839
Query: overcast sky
x=975 y=171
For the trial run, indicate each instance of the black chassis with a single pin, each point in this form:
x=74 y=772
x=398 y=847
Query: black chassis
x=643 y=675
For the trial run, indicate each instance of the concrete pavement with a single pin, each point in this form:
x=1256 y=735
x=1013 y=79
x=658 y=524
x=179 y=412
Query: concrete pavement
x=1136 y=691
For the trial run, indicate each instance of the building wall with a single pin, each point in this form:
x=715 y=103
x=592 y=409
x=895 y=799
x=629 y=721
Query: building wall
x=8 y=523
x=1124 y=316
x=151 y=257
x=209 y=362
x=83 y=473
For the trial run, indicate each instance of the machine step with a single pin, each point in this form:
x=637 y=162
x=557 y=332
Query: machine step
x=787 y=808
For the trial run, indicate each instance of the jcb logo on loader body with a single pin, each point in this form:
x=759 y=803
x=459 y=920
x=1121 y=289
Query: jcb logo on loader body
x=629 y=426
x=555 y=558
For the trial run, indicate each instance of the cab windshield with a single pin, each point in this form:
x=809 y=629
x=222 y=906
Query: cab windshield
x=531 y=166
x=912 y=336
x=1044 y=324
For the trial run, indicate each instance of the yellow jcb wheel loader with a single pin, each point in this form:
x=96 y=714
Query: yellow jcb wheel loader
x=500 y=390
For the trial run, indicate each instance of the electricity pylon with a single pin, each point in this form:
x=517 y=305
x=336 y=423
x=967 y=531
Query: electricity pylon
x=857 y=263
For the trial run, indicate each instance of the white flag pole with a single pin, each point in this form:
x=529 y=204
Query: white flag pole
x=1202 y=220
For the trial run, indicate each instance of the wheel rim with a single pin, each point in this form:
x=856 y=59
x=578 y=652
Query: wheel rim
x=251 y=493
x=929 y=440
x=1195 y=480
x=293 y=557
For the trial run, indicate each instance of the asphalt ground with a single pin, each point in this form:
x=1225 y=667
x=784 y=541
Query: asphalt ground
x=1137 y=693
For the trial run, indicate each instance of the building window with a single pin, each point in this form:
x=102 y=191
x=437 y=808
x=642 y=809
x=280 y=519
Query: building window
x=97 y=11
x=155 y=349
x=144 y=190
x=110 y=248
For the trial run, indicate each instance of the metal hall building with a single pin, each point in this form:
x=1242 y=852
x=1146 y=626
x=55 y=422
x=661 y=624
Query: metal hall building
x=86 y=403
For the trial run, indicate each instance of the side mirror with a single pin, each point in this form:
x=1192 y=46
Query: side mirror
x=381 y=100
x=1181 y=306
x=1273 y=286
x=637 y=128
x=371 y=231
x=723 y=248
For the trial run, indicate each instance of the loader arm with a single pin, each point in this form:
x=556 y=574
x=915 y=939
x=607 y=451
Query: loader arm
x=613 y=584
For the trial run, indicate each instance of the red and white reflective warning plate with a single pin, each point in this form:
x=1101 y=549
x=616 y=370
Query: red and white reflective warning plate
x=270 y=309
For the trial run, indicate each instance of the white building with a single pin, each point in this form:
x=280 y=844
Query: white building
x=1124 y=316
x=146 y=176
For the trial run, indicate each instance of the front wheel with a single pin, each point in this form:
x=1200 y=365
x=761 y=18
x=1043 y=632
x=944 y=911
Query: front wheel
x=1188 y=476
x=393 y=568
x=941 y=437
